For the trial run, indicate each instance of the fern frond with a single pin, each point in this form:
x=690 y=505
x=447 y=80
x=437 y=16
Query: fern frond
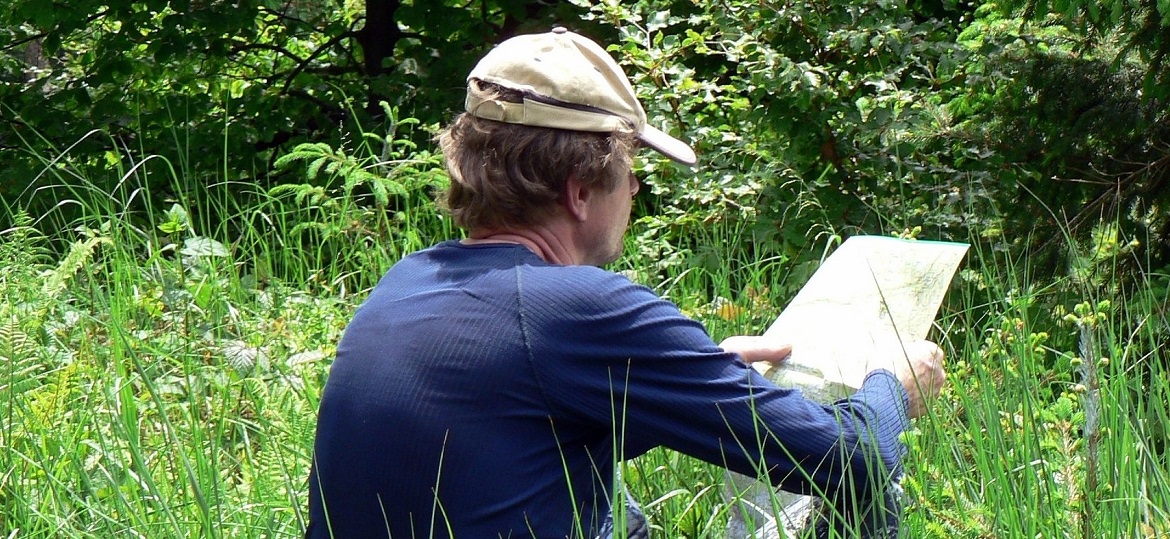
x=314 y=168
x=17 y=350
x=48 y=402
x=14 y=343
x=314 y=194
x=80 y=254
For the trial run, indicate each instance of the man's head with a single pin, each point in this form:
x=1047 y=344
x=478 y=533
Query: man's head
x=543 y=109
x=566 y=82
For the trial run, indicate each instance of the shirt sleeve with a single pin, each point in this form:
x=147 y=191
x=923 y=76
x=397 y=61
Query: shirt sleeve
x=616 y=355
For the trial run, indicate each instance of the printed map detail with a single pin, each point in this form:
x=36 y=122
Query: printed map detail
x=870 y=296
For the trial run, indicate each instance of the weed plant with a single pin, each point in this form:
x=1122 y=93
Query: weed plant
x=160 y=373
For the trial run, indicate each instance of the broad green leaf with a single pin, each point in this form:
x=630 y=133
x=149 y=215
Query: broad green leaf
x=201 y=246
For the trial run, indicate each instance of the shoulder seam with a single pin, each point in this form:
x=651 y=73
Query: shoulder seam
x=525 y=334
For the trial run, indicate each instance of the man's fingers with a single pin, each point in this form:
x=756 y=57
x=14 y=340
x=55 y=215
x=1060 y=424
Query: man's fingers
x=756 y=348
x=922 y=375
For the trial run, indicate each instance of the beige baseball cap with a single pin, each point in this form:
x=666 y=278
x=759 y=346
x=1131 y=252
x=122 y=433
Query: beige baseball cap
x=568 y=82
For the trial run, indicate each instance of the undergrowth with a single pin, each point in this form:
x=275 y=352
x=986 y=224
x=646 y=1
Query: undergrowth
x=160 y=373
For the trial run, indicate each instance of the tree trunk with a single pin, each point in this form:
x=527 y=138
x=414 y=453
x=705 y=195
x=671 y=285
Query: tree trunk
x=378 y=38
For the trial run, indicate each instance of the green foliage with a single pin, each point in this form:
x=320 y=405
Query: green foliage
x=128 y=69
x=809 y=120
x=1070 y=140
x=1139 y=27
x=189 y=80
x=171 y=386
x=1042 y=432
x=402 y=181
x=151 y=389
x=212 y=185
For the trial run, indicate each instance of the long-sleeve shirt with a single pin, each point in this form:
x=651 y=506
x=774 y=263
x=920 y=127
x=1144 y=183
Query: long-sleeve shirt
x=482 y=392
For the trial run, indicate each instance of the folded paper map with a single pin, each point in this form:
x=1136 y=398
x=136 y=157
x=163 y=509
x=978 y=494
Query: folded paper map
x=869 y=297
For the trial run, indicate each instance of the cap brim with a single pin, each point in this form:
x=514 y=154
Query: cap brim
x=668 y=145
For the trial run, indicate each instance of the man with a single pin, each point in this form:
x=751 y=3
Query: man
x=489 y=387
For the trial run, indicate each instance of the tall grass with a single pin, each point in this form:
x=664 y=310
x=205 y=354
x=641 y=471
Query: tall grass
x=160 y=376
x=161 y=379
x=1026 y=441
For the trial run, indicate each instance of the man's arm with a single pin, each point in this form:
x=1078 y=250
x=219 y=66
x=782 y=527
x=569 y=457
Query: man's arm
x=920 y=371
x=617 y=356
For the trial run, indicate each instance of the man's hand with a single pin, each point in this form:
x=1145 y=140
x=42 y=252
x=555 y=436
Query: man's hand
x=920 y=369
x=756 y=348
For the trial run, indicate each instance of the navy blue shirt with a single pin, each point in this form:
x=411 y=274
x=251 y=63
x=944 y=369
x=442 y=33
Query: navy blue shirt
x=481 y=392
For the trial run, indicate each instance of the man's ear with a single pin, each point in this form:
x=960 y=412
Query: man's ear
x=575 y=198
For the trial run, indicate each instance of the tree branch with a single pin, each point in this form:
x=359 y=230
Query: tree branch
x=325 y=106
x=244 y=47
x=305 y=63
x=283 y=16
x=44 y=34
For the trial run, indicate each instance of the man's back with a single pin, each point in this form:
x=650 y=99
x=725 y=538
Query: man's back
x=433 y=415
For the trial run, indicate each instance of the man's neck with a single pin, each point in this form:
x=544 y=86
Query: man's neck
x=545 y=242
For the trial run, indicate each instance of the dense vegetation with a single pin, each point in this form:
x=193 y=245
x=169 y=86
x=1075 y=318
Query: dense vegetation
x=197 y=193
